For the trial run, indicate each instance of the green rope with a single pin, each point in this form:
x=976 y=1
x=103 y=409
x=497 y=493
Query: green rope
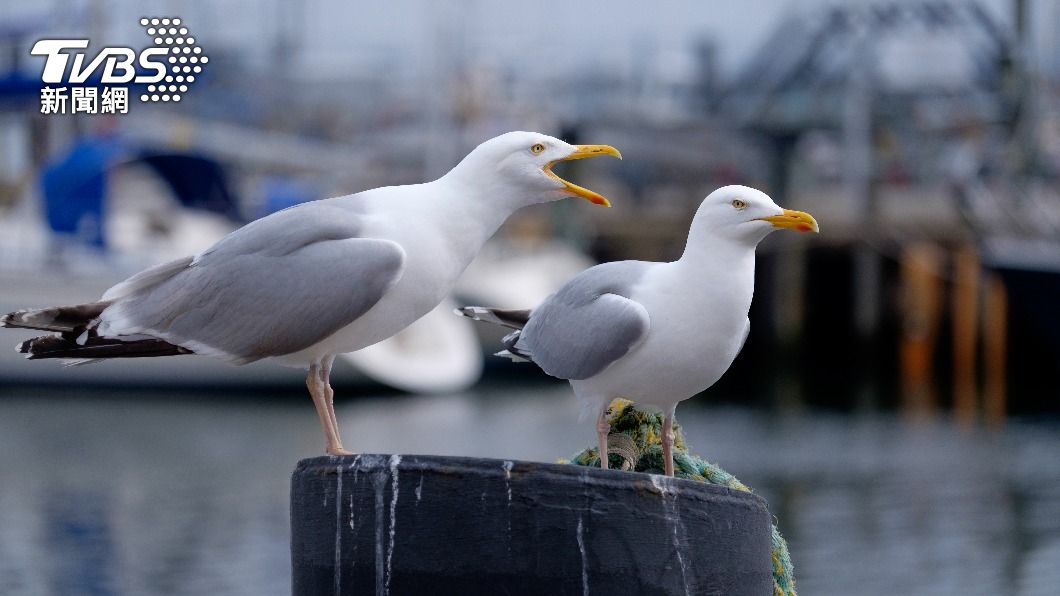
x=644 y=431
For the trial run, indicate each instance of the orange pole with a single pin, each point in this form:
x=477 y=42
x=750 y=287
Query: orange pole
x=965 y=309
x=920 y=305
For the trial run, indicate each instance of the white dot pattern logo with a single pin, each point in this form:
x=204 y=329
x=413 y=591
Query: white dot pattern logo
x=171 y=34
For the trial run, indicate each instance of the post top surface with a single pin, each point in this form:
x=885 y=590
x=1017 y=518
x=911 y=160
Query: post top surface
x=545 y=474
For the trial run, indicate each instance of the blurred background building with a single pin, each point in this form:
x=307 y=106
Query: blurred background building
x=895 y=396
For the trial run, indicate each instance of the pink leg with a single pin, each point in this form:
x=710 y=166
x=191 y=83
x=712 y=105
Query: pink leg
x=319 y=389
x=668 y=442
x=325 y=379
x=602 y=428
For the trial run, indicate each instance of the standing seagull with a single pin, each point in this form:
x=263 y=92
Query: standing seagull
x=319 y=279
x=654 y=333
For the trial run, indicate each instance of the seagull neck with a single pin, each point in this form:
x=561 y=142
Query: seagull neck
x=715 y=255
x=466 y=217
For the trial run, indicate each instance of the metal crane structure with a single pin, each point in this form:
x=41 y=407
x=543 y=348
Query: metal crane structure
x=927 y=75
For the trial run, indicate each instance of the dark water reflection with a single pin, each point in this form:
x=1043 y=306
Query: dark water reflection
x=187 y=494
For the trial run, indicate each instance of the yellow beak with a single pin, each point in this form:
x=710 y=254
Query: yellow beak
x=581 y=152
x=793 y=220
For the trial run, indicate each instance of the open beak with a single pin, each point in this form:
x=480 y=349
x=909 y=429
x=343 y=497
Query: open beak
x=793 y=220
x=581 y=152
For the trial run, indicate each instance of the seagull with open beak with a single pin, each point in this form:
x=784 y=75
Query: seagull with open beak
x=319 y=279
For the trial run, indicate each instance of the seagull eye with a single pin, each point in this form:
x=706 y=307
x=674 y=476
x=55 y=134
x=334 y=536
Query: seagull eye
x=738 y=204
x=537 y=148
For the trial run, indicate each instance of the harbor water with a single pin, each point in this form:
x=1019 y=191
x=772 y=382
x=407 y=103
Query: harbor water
x=187 y=492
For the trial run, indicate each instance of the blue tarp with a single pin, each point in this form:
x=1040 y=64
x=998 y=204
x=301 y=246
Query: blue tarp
x=74 y=187
x=282 y=192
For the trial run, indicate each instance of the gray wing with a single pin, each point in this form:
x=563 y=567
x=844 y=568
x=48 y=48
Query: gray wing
x=588 y=324
x=276 y=286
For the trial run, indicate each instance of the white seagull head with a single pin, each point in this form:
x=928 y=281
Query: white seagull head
x=517 y=167
x=747 y=215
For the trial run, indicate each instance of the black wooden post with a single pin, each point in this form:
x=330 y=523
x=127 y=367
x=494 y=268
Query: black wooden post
x=413 y=524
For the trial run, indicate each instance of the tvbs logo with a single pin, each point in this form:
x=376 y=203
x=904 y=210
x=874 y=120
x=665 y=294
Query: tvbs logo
x=167 y=69
x=118 y=63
